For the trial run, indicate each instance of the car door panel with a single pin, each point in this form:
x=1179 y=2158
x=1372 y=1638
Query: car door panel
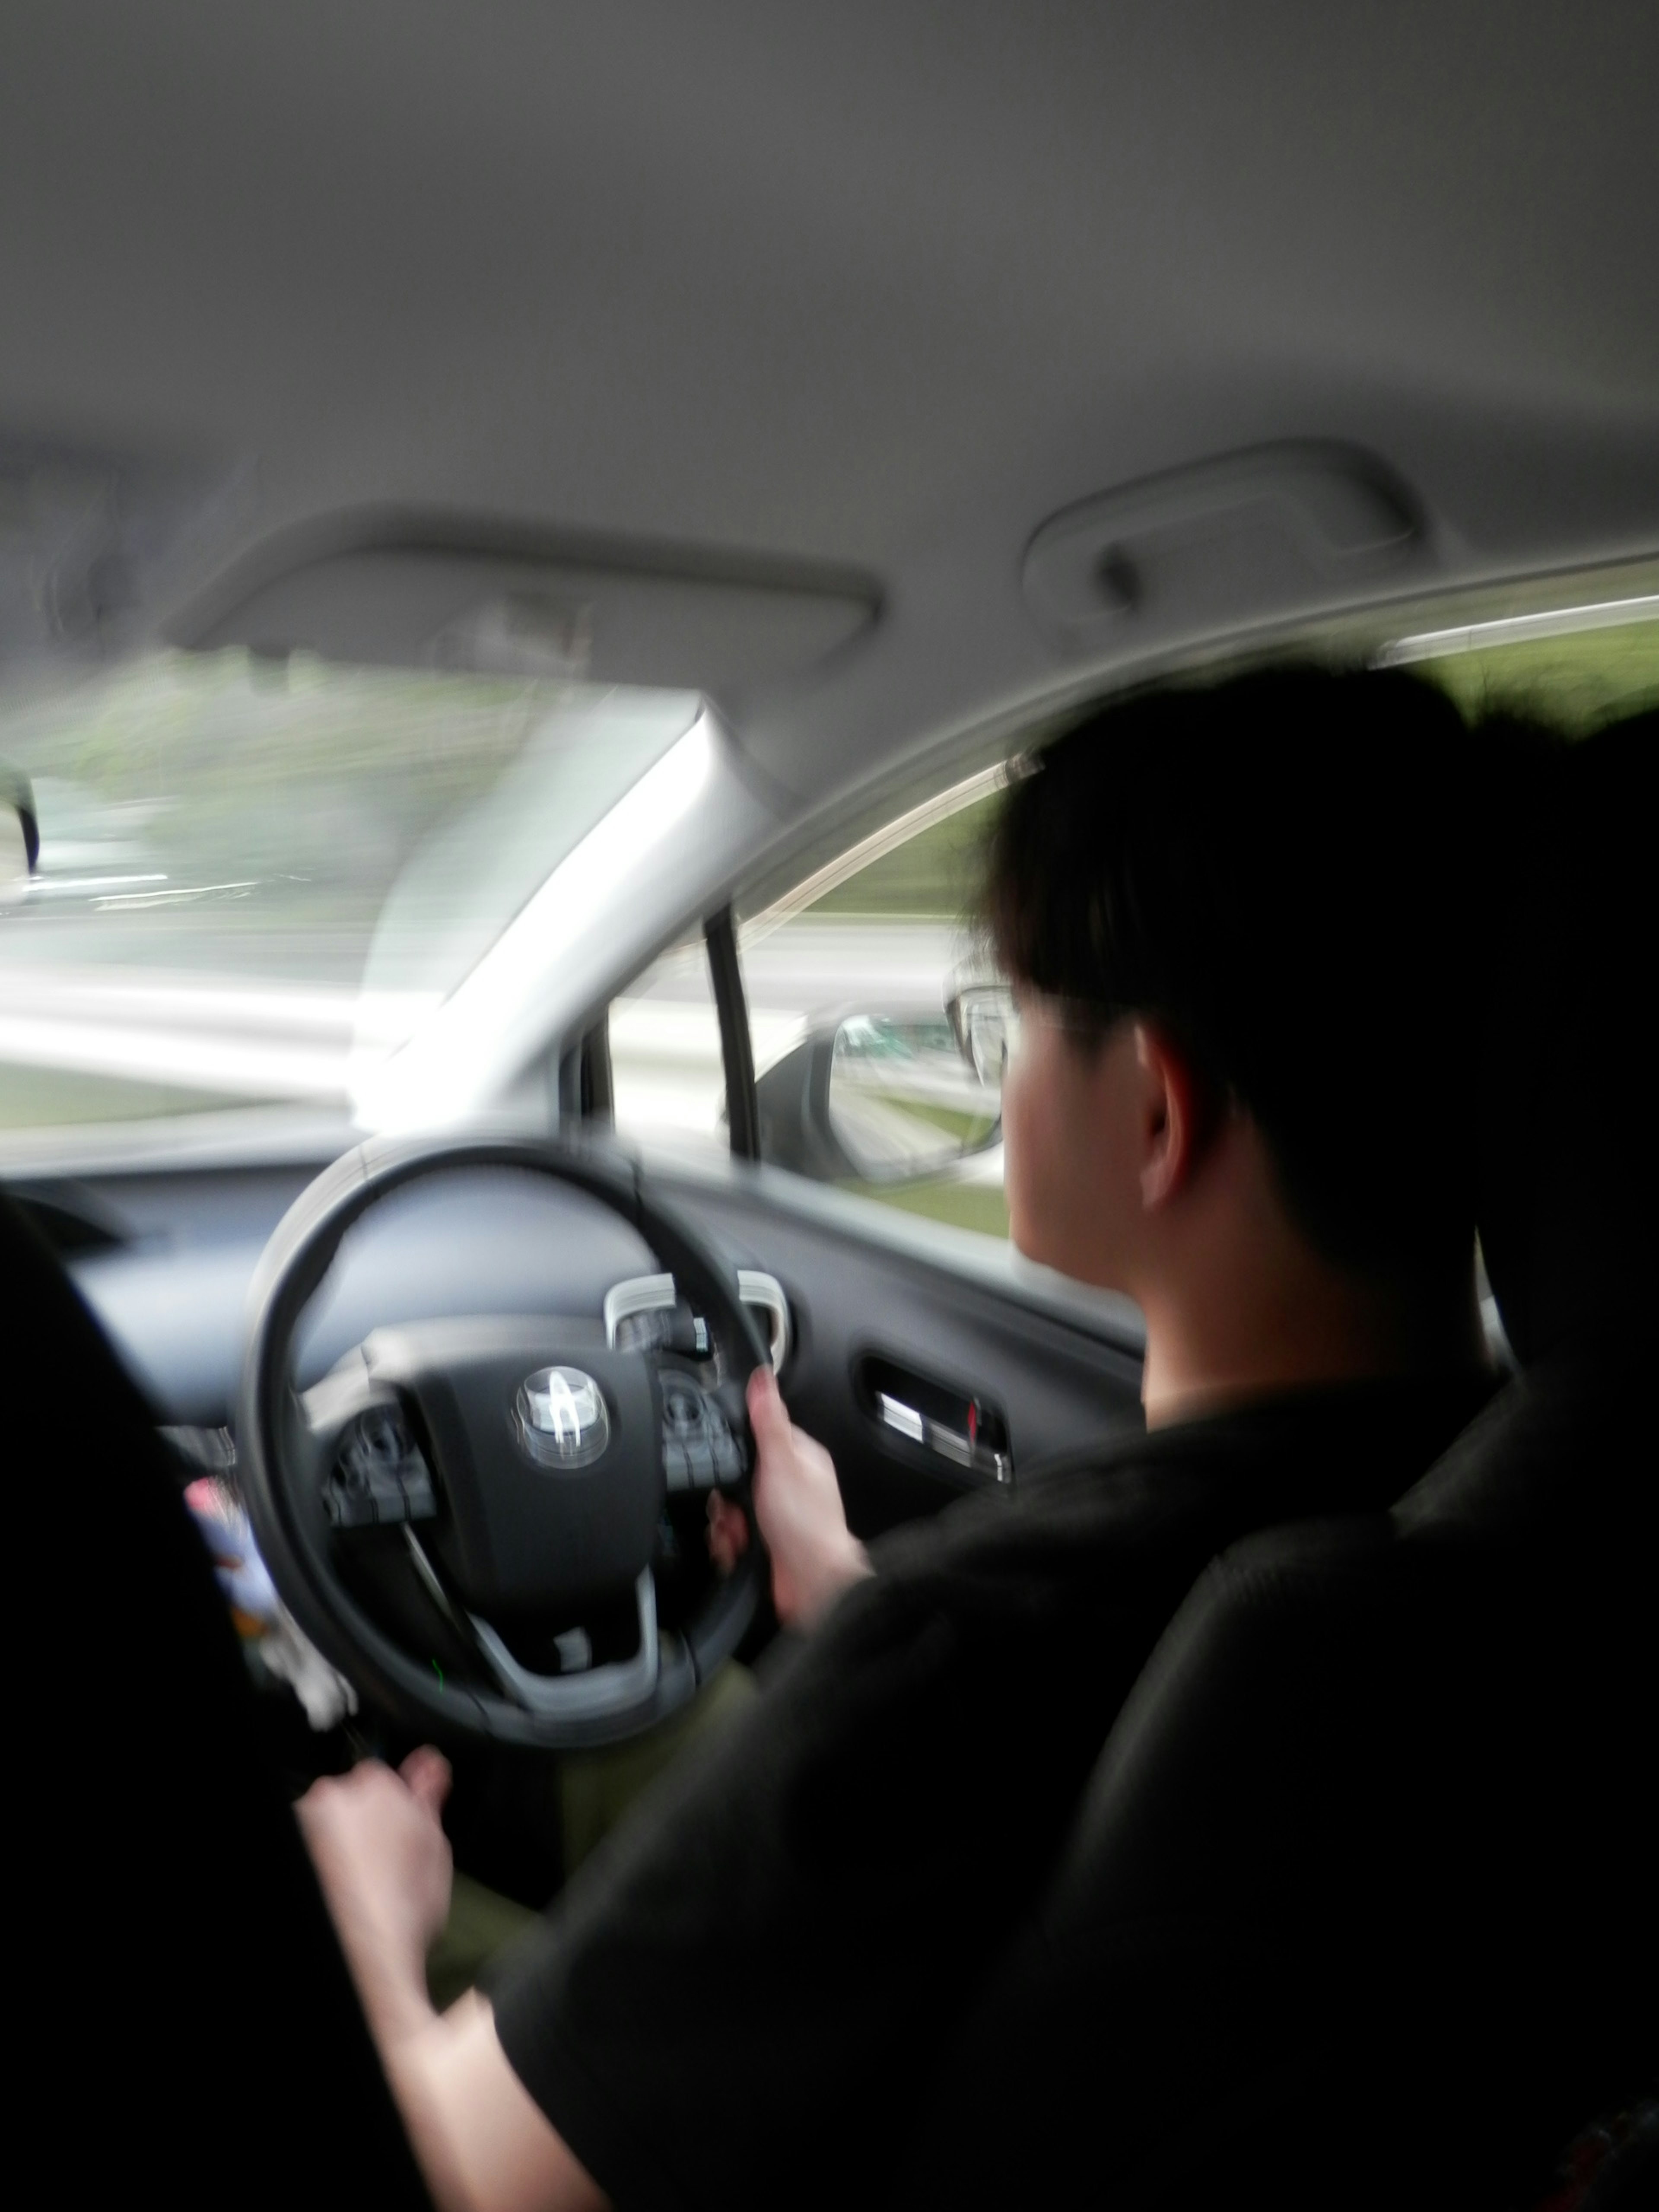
x=1062 y=1387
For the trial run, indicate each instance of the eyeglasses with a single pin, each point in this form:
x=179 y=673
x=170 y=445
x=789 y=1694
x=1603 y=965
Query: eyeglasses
x=985 y=1021
x=989 y=1021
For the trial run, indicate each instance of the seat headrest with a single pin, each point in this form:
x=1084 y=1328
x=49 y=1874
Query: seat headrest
x=1568 y=1128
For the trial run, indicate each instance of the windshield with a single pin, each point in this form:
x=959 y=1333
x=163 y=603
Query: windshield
x=253 y=877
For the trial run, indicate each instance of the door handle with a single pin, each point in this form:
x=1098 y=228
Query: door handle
x=943 y=1420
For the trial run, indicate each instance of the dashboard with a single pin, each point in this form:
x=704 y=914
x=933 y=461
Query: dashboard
x=925 y=1373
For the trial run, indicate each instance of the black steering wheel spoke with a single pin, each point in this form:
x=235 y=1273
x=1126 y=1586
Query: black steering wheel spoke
x=588 y=1693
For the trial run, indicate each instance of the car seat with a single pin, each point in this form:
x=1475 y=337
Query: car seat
x=1359 y=1910
x=188 y=2028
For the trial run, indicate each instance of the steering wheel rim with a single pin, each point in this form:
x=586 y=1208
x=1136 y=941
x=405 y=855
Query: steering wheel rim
x=284 y=1469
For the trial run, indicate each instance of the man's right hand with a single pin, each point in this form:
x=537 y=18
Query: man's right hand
x=815 y=1556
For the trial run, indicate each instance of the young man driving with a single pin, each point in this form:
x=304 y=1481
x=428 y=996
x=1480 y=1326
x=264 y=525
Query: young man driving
x=1238 y=922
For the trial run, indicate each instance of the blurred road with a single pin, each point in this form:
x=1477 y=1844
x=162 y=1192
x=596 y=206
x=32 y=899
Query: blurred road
x=227 y=1034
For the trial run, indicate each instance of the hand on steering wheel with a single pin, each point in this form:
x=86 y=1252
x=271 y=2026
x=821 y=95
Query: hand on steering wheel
x=798 y=1509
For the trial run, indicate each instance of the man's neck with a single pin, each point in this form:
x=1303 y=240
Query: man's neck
x=1305 y=1325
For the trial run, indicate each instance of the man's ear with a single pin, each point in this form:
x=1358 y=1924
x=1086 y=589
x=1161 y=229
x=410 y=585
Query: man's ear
x=1174 y=1118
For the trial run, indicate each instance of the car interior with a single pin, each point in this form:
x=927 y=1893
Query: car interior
x=530 y=543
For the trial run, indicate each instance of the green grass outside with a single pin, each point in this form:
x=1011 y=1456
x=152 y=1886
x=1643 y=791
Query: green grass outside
x=962 y=1205
x=1579 y=681
x=933 y=877
x=970 y=1130
x=54 y=1097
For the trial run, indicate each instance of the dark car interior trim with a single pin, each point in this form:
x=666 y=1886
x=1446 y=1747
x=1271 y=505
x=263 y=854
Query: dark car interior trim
x=737 y=1054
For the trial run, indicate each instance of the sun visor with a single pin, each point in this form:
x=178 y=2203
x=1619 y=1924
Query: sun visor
x=1244 y=538
x=403 y=595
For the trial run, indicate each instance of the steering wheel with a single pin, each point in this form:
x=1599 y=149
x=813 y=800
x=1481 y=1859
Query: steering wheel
x=442 y=1509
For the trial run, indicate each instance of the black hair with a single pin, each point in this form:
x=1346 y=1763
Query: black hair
x=1280 y=869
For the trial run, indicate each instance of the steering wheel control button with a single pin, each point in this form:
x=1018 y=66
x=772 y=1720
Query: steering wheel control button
x=698 y=1448
x=379 y=1475
x=562 y=1417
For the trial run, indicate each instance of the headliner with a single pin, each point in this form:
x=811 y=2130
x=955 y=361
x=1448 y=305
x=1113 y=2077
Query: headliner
x=876 y=285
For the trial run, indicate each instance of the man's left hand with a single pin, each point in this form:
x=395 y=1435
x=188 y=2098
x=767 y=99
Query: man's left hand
x=377 y=1841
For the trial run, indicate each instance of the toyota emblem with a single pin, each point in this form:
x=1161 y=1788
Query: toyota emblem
x=561 y=1416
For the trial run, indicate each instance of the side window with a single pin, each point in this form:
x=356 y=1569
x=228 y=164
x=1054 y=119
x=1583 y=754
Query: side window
x=874 y=1025
x=864 y=990
x=1575 y=668
x=667 y=1078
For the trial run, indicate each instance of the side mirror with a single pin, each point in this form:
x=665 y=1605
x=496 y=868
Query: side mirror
x=878 y=1098
x=20 y=836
